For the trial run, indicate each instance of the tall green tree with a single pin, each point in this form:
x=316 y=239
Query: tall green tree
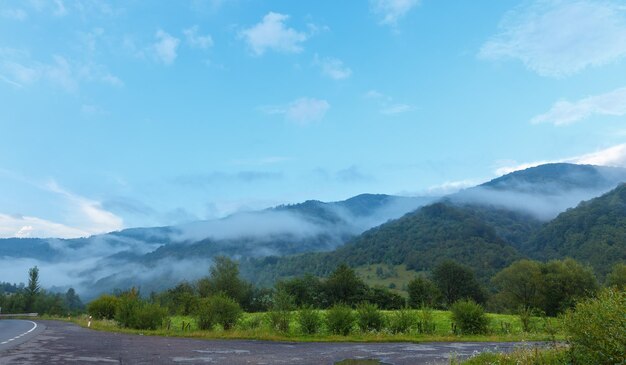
x=456 y=281
x=617 y=276
x=520 y=284
x=563 y=283
x=423 y=292
x=33 y=288
x=344 y=286
x=224 y=278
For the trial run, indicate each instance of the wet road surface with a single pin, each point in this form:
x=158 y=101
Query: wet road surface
x=14 y=332
x=67 y=343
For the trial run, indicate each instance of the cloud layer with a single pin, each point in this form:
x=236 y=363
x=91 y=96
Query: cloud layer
x=558 y=38
x=612 y=156
x=301 y=111
x=565 y=112
x=390 y=11
x=273 y=34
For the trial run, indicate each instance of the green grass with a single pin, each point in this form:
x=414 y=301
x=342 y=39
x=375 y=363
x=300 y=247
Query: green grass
x=498 y=330
x=397 y=275
x=555 y=356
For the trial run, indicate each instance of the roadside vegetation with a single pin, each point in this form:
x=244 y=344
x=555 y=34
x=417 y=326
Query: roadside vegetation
x=558 y=301
x=595 y=333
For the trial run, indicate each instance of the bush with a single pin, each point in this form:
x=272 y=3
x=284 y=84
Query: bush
x=309 y=320
x=402 y=321
x=103 y=307
x=369 y=318
x=280 y=315
x=132 y=312
x=126 y=311
x=469 y=317
x=425 y=321
x=525 y=315
x=597 y=329
x=149 y=316
x=218 y=309
x=251 y=323
x=340 y=319
x=422 y=292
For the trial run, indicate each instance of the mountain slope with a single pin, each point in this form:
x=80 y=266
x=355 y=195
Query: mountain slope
x=544 y=191
x=594 y=233
x=485 y=227
x=169 y=254
x=420 y=240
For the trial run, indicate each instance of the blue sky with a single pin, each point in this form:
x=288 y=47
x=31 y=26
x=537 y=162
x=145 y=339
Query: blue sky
x=142 y=113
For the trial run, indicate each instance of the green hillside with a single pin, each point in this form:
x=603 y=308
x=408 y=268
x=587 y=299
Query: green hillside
x=418 y=240
x=593 y=233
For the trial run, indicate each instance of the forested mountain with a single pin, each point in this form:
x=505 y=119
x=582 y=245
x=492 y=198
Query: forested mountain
x=155 y=254
x=594 y=233
x=419 y=240
x=485 y=227
x=475 y=228
x=544 y=191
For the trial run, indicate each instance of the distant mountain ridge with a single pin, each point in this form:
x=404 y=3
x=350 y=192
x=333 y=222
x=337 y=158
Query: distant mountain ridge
x=486 y=227
x=487 y=234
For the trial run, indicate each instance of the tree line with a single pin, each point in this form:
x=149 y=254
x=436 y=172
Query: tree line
x=32 y=298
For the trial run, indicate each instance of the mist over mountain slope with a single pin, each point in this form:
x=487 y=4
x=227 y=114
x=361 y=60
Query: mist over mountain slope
x=485 y=227
x=594 y=233
x=166 y=255
x=546 y=190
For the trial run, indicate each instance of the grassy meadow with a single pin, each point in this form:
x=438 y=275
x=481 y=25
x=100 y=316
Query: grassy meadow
x=256 y=326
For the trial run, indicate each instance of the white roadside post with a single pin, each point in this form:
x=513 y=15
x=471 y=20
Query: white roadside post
x=89 y=323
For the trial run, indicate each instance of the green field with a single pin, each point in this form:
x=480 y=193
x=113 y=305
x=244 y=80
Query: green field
x=255 y=326
x=393 y=277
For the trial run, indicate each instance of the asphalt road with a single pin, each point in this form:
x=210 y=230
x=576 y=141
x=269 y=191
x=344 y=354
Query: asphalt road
x=14 y=332
x=66 y=343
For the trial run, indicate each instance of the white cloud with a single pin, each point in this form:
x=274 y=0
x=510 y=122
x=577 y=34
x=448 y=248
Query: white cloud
x=559 y=38
x=390 y=11
x=302 y=111
x=333 y=67
x=15 y=14
x=20 y=74
x=197 y=41
x=387 y=105
x=612 y=156
x=19 y=69
x=18 y=226
x=450 y=187
x=89 y=213
x=165 y=47
x=60 y=72
x=565 y=112
x=396 y=109
x=272 y=34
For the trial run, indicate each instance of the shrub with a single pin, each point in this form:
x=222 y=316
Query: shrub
x=525 y=315
x=469 y=317
x=218 y=309
x=309 y=320
x=103 y=307
x=369 y=318
x=149 y=316
x=280 y=315
x=402 y=321
x=422 y=292
x=425 y=321
x=132 y=312
x=250 y=323
x=126 y=311
x=597 y=328
x=340 y=319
